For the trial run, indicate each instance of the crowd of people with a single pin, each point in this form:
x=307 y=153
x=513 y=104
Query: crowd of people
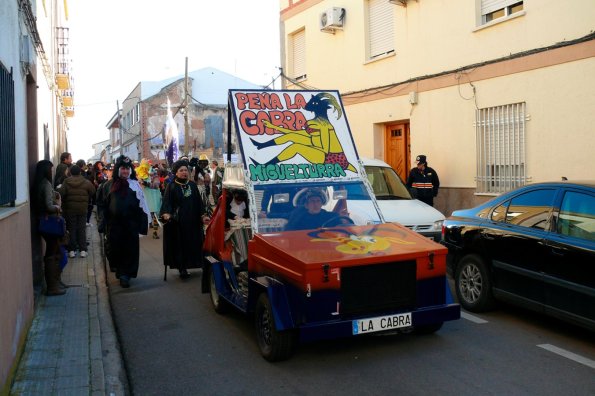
x=131 y=198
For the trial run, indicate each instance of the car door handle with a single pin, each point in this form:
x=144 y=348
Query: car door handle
x=558 y=251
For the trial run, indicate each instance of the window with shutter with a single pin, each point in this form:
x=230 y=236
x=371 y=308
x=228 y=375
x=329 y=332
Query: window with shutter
x=298 y=55
x=380 y=28
x=494 y=9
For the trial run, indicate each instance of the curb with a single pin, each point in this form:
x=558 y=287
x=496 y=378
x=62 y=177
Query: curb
x=108 y=375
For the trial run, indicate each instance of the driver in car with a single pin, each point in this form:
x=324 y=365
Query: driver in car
x=311 y=215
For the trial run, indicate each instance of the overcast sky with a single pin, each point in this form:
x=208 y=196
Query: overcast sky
x=116 y=44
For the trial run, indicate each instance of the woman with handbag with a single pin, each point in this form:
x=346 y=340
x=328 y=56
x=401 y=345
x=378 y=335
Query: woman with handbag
x=47 y=206
x=183 y=211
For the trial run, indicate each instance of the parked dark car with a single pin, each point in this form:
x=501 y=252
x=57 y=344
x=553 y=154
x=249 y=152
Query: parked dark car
x=534 y=247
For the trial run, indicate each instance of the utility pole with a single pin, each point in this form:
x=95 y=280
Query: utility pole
x=120 y=127
x=186 y=110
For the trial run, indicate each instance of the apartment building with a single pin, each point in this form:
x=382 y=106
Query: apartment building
x=496 y=93
x=36 y=100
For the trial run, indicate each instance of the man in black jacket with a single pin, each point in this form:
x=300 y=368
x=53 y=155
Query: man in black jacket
x=423 y=182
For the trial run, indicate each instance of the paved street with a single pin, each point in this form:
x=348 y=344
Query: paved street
x=175 y=344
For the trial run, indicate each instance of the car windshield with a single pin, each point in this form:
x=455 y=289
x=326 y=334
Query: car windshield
x=288 y=207
x=386 y=183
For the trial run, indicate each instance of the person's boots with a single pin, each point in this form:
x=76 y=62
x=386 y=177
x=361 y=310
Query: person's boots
x=62 y=284
x=52 y=277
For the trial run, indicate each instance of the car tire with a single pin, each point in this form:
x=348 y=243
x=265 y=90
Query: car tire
x=274 y=345
x=219 y=304
x=473 y=284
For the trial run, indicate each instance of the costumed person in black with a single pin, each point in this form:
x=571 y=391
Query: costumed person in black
x=47 y=202
x=423 y=182
x=311 y=215
x=237 y=205
x=126 y=215
x=184 y=213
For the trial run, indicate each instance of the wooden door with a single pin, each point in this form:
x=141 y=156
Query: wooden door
x=397 y=148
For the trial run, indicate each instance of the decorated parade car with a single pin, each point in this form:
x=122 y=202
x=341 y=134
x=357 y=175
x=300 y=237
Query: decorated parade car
x=297 y=239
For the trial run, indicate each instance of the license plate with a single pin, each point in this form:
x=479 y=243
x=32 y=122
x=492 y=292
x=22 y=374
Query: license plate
x=381 y=323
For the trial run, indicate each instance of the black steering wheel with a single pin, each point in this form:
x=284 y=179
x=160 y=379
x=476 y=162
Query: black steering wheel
x=335 y=221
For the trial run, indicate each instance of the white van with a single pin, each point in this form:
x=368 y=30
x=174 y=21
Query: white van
x=397 y=205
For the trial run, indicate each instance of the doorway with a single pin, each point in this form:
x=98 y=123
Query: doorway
x=396 y=151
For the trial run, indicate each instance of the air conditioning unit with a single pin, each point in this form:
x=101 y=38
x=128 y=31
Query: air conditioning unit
x=332 y=19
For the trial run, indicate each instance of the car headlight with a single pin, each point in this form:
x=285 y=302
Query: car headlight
x=438 y=225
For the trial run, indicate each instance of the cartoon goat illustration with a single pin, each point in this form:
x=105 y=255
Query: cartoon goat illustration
x=317 y=143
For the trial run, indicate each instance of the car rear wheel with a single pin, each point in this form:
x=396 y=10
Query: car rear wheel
x=274 y=345
x=219 y=304
x=473 y=283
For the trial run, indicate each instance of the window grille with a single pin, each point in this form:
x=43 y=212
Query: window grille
x=8 y=184
x=500 y=135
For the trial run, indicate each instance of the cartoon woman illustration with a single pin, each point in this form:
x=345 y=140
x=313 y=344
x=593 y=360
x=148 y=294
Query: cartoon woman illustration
x=318 y=143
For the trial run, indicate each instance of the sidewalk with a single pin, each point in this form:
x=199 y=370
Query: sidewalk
x=71 y=347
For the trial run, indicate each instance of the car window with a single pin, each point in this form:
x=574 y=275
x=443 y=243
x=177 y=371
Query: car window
x=577 y=216
x=531 y=209
x=386 y=184
x=499 y=214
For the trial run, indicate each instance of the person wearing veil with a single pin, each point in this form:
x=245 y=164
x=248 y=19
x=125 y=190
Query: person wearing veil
x=126 y=215
x=183 y=211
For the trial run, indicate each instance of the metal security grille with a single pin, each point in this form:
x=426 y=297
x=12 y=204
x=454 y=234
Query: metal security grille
x=8 y=190
x=500 y=135
x=378 y=288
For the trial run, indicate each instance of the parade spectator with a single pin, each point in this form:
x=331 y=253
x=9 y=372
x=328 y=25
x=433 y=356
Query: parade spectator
x=423 y=182
x=184 y=213
x=62 y=168
x=216 y=180
x=125 y=215
x=47 y=202
x=76 y=191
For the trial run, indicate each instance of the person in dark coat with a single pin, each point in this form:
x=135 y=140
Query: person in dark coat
x=184 y=213
x=76 y=191
x=423 y=182
x=126 y=215
x=62 y=168
x=47 y=202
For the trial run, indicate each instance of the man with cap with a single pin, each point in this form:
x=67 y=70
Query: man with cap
x=423 y=182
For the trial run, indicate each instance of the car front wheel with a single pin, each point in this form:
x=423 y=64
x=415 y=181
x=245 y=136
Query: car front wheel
x=473 y=284
x=219 y=304
x=274 y=345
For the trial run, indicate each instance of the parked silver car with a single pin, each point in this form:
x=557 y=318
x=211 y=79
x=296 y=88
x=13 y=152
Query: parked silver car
x=397 y=205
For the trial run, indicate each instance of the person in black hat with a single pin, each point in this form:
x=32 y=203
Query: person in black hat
x=125 y=215
x=184 y=213
x=423 y=182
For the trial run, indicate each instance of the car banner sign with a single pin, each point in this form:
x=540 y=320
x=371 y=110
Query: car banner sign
x=294 y=135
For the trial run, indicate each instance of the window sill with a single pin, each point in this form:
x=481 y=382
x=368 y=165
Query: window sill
x=380 y=57
x=500 y=20
x=7 y=211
